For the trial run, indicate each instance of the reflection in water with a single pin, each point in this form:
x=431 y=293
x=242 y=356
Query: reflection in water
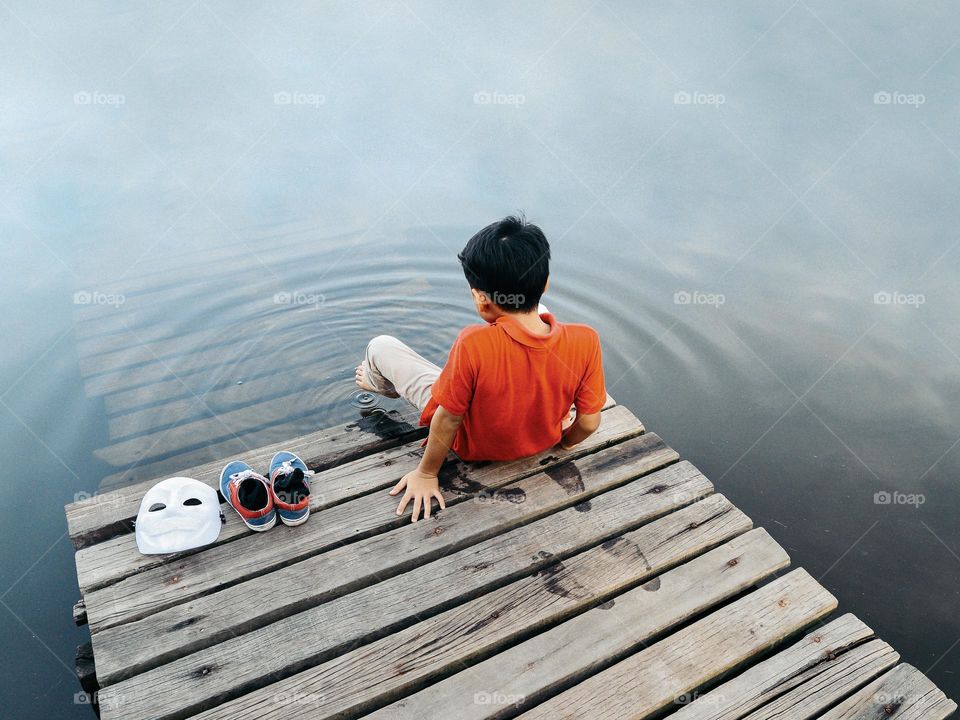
x=195 y=271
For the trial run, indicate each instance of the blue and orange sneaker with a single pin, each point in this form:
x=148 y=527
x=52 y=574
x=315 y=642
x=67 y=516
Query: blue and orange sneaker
x=249 y=494
x=290 y=488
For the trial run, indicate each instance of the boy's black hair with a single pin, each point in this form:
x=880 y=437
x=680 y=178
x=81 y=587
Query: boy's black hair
x=509 y=261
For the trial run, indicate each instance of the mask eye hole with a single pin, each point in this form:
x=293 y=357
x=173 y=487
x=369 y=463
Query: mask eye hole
x=192 y=501
x=156 y=506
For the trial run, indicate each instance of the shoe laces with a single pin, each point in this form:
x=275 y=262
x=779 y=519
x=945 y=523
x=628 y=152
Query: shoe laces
x=286 y=467
x=239 y=477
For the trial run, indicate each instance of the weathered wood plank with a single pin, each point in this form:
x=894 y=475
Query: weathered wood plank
x=255 y=554
x=535 y=669
x=366 y=677
x=850 y=672
x=107 y=514
x=389 y=605
x=114 y=559
x=79 y=612
x=801 y=681
x=904 y=693
x=369 y=560
x=102 y=516
x=85 y=669
x=136 y=324
x=654 y=678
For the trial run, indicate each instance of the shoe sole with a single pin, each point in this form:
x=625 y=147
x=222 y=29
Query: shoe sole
x=293 y=523
x=260 y=528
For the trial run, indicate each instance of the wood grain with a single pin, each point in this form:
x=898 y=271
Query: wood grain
x=655 y=678
x=369 y=676
x=904 y=693
x=800 y=681
x=112 y=560
x=257 y=554
x=182 y=628
x=532 y=671
x=103 y=516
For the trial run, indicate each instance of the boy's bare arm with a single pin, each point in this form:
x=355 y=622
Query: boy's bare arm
x=422 y=484
x=583 y=427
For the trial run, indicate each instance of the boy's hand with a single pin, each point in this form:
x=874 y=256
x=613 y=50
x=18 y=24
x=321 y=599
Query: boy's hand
x=421 y=488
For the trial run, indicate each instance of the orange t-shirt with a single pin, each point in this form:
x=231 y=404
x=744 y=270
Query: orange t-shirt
x=514 y=388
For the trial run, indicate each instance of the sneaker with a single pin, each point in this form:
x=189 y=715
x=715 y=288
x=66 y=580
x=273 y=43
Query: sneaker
x=249 y=494
x=290 y=488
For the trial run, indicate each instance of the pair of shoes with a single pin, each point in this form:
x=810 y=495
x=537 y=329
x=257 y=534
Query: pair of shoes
x=259 y=501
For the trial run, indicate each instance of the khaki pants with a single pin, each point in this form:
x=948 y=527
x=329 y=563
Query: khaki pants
x=396 y=370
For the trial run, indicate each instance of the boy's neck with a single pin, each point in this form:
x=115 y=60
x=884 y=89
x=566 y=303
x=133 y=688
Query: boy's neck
x=531 y=321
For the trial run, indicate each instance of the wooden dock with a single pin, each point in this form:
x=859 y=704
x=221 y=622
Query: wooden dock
x=610 y=581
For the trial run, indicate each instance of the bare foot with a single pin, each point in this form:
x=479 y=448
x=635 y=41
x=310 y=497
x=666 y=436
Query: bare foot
x=361 y=379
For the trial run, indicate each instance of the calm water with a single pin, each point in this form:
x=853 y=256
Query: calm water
x=167 y=171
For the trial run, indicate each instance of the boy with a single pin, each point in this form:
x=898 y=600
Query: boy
x=508 y=386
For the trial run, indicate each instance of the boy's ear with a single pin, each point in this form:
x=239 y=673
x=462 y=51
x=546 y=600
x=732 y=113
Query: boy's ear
x=546 y=285
x=480 y=298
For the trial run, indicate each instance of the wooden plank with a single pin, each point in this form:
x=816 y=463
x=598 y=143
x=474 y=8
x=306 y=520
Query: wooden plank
x=904 y=693
x=199 y=266
x=177 y=390
x=561 y=656
x=365 y=677
x=85 y=669
x=186 y=627
x=852 y=670
x=652 y=679
x=79 y=613
x=255 y=554
x=199 y=275
x=105 y=515
x=133 y=647
x=801 y=681
x=373 y=611
x=107 y=562
x=112 y=560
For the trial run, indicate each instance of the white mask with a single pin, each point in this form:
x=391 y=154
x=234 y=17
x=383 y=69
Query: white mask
x=177 y=514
